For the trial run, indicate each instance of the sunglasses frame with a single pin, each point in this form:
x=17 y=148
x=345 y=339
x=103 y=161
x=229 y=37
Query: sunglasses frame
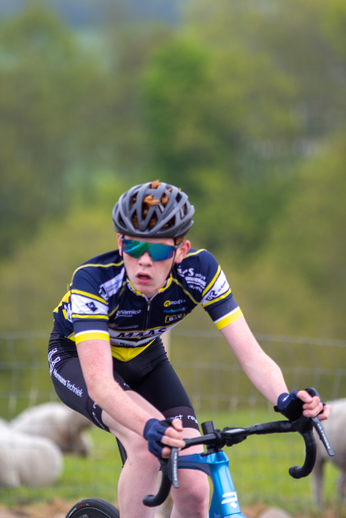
x=152 y=248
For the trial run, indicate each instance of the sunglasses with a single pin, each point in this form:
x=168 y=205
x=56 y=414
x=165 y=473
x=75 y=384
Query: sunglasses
x=156 y=251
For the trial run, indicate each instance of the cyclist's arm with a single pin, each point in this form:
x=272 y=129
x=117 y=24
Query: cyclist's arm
x=97 y=366
x=262 y=371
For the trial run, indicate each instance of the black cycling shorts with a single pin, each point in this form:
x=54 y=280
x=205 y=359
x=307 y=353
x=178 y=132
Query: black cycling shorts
x=150 y=374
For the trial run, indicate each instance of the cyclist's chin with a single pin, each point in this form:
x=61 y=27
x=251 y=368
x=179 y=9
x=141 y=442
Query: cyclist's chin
x=146 y=287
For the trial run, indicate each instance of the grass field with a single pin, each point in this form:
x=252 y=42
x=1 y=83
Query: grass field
x=259 y=469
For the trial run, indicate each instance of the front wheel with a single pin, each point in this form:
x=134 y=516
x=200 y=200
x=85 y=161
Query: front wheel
x=93 y=508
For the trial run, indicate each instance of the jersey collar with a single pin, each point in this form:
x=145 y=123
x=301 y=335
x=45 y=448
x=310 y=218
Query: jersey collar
x=165 y=287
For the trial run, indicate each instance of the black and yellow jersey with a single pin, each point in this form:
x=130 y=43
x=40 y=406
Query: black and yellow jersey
x=101 y=302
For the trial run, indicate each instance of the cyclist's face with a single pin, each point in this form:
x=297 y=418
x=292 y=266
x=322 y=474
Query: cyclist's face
x=148 y=276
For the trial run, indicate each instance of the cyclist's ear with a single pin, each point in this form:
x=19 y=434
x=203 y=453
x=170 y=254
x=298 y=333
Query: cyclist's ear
x=120 y=245
x=182 y=251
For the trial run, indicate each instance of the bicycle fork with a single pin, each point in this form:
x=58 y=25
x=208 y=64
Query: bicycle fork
x=224 y=501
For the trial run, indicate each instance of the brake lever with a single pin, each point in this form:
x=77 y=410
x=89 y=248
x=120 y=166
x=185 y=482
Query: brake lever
x=172 y=467
x=169 y=468
x=322 y=435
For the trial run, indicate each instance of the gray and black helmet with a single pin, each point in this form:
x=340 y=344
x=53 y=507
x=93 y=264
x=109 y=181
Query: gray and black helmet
x=172 y=219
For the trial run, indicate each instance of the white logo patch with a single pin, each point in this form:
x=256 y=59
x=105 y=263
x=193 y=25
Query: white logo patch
x=112 y=286
x=82 y=305
x=219 y=287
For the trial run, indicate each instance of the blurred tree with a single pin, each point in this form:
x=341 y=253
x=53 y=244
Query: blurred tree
x=128 y=47
x=235 y=101
x=206 y=109
x=299 y=282
x=36 y=276
x=49 y=100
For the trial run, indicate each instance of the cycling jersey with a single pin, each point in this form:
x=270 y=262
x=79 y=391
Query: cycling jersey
x=103 y=304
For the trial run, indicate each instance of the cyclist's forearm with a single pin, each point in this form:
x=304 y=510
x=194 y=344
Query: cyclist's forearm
x=263 y=372
x=97 y=366
x=116 y=403
x=266 y=376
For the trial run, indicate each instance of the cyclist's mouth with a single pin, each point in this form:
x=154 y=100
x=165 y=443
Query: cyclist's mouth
x=143 y=277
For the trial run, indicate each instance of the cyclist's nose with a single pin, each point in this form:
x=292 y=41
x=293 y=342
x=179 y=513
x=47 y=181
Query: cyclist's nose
x=145 y=259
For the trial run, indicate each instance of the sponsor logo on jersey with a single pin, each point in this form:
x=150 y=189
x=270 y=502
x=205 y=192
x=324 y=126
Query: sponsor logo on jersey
x=168 y=303
x=197 y=281
x=111 y=287
x=219 y=288
x=174 y=310
x=136 y=339
x=127 y=312
x=126 y=328
x=92 y=306
x=82 y=305
x=173 y=318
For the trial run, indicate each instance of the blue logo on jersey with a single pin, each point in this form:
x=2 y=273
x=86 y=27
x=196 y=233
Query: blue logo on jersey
x=92 y=306
x=175 y=310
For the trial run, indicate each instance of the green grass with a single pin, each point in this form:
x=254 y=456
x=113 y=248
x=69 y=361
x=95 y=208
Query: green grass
x=259 y=468
x=95 y=476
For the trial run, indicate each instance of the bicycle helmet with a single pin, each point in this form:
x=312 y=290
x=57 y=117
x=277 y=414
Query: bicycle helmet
x=153 y=210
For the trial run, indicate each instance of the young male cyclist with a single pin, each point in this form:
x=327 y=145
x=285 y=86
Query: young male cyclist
x=106 y=357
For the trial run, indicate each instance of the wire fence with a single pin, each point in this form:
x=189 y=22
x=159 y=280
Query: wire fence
x=219 y=390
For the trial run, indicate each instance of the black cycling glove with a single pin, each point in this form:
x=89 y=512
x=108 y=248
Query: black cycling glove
x=290 y=405
x=153 y=432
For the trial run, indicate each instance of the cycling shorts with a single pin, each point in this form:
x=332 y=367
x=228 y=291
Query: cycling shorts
x=150 y=374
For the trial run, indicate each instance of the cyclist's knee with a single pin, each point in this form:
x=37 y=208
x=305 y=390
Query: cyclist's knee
x=137 y=452
x=193 y=496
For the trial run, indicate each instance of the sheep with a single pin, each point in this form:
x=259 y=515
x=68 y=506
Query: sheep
x=28 y=460
x=335 y=428
x=57 y=422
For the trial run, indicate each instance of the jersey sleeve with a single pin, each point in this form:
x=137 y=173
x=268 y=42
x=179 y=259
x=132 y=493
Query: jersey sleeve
x=217 y=298
x=89 y=310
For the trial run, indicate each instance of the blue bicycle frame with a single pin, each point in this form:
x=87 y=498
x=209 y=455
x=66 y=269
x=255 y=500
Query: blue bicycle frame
x=215 y=463
x=224 y=502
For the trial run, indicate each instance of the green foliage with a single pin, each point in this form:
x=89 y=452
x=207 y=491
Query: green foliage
x=232 y=105
x=299 y=281
x=49 y=91
x=36 y=278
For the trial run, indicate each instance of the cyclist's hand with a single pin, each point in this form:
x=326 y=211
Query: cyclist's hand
x=313 y=406
x=161 y=433
x=173 y=437
x=307 y=402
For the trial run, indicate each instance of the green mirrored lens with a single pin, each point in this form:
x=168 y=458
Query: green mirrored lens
x=134 y=248
x=157 y=251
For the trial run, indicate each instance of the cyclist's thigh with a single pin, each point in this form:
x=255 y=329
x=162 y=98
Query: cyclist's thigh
x=162 y=387
x=189 y=433
x=68 y=380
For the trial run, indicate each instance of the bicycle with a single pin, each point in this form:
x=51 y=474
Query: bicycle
x=215 y=463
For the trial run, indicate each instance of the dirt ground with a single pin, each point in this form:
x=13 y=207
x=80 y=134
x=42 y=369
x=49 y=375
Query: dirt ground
x=55 y=509
x=59 y=508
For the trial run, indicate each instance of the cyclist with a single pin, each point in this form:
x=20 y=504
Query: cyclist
x=107 y=360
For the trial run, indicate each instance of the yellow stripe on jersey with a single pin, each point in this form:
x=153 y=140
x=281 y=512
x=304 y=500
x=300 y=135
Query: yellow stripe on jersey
x=189 y=254
x=229 y=318
x=186 y=292
x=228 y=292
x=89 y=295
x=97 y=265
x=94 y=317
x=212 y=282
x=125 y=354
x=91 y=334
x=64 y=299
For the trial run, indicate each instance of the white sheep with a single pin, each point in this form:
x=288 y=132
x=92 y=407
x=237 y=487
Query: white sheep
x=57 y=422
x=335 y=428
x=28 y=460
